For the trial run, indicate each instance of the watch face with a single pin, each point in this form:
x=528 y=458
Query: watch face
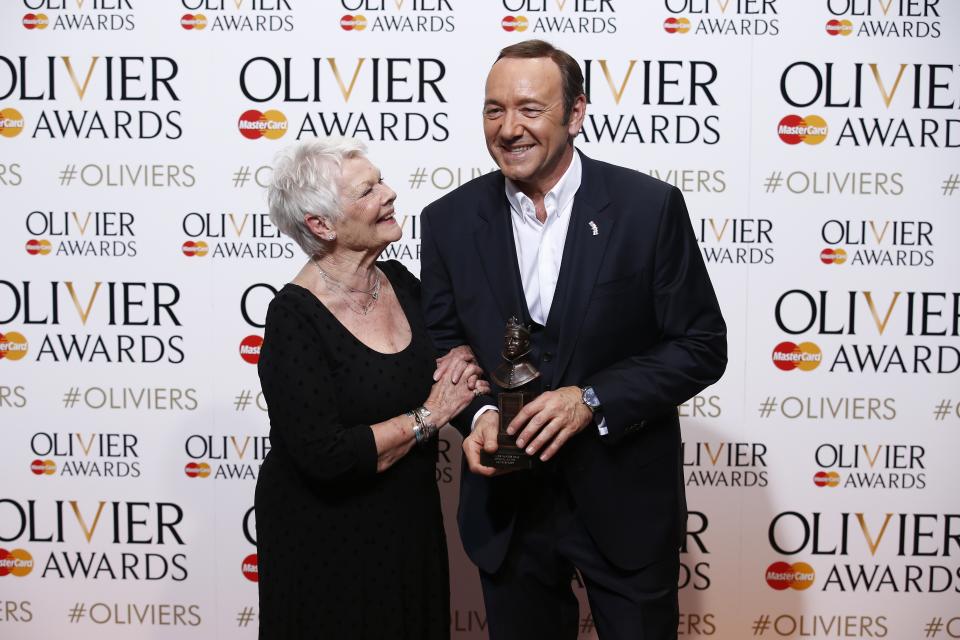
x=590 y=398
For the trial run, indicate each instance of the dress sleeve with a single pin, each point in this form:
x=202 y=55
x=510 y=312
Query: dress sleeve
x=300 y=392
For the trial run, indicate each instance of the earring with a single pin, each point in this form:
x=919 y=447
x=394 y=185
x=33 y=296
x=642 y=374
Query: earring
x=332 y=236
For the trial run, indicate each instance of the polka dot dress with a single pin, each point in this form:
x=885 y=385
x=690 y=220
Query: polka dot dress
x=345 y=552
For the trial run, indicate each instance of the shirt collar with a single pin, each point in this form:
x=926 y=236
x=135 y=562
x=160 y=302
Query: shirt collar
x=555 y=200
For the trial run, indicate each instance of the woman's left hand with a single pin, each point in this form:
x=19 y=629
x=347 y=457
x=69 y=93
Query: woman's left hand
x=454 y=363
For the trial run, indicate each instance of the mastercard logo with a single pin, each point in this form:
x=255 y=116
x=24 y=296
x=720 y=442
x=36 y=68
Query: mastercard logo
x=35 y=21
x=17 y=562
x=839 y=27
x=11 y=123
x=826 y=479
x=794 y=129
x=833 y=256
x=250 y=569
x=250 y=349
x=254 y=124
x=13 y=345
x=43 y=467
x=805 y=356
x=676 y=25
x=191 y=248
x=797 y=576
x=353 y=23
x=514 y=23
x=38 y=247
x=193 y=21
x=197 y=469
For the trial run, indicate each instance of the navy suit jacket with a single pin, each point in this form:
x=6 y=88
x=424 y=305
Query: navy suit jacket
x=634 y=315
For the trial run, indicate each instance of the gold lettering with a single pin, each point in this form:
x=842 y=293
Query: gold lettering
x=881 y=326
x=73 y=77
x=246 y=443
x=89 y=445
x=879 y=237
x=723 y=229
x=883 y=91
x=86 y=221
x=714 y=458
x=866 y=532
x=84 y=314
x=346 y=91
x=623 y=85
x=871 y=459
x=88 y=533
x=233 y=222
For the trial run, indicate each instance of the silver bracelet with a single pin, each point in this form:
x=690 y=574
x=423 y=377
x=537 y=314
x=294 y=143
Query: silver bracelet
x=423 y=428
x=417 y=426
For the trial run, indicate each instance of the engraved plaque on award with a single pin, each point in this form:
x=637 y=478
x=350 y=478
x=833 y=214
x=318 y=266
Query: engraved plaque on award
x=513 y=375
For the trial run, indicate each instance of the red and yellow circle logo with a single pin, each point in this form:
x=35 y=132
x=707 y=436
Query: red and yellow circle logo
x=17 y=562
x=676 y=25
x=35 y=21
x=197 y=248
x=793 y=129
x=805 y=356
x=197 y=469
x=353 y=23
x=270 y=124
x=833 y=256
x=38 y=247
x=826 y=479
x=11 y=123
x=43 y=467
x=13 y=345
x=250 y=568
x=193 y=21
x=514 y=23
x=797 y=576
x=839 y=27
x=250 y=349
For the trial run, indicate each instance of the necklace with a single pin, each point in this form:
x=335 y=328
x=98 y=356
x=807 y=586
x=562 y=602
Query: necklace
x=345 y=291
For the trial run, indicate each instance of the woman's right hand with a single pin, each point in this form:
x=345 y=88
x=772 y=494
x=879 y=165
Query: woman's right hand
x=447 y=398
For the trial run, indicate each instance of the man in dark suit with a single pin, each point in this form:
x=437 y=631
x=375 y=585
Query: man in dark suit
x=602 y=263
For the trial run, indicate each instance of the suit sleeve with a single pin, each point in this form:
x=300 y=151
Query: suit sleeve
x=691 y=352
x=440 y=309
x=299 y=389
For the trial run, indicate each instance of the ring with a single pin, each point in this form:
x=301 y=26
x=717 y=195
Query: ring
x=476 y=392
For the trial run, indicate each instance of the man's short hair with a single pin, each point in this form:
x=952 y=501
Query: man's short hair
x=570 y=74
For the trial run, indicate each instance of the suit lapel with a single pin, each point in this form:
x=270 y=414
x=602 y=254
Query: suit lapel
x=498 y=254
x=583 y=253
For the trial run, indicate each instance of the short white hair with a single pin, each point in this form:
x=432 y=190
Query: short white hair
x=305 y=183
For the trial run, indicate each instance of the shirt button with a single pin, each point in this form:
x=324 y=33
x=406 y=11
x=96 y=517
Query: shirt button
x=547 y=357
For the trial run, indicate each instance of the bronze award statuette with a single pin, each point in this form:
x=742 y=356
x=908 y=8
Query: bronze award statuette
x=513 y=375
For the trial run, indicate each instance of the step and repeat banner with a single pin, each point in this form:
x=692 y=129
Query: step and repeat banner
x=816 y=143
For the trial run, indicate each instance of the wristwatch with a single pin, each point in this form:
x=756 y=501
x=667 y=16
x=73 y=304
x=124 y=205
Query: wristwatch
x=589 y=397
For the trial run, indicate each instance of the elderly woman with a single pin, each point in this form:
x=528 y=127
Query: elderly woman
x=350 y=532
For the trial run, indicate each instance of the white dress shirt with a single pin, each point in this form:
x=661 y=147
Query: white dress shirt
x=540 y=245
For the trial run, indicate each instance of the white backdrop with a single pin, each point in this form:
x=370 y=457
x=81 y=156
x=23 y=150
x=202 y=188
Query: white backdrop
x=138 y=263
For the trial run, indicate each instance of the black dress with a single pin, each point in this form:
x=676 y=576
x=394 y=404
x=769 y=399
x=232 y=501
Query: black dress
x=345 y=552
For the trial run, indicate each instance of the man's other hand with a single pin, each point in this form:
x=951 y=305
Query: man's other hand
x=482 y=438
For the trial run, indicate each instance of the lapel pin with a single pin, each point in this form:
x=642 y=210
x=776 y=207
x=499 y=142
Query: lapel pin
x=593 y=228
